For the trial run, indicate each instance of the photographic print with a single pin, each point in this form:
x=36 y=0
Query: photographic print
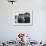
x=23 y=18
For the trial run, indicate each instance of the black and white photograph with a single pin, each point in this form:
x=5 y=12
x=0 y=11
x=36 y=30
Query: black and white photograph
x=23 y=18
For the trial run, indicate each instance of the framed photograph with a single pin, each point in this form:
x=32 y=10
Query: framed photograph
x=23 y=18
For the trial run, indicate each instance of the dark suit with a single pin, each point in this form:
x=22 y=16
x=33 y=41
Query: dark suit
x=27 y=19
x=20 y=20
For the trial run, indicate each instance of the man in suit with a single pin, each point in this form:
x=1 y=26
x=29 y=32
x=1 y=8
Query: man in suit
x=27 y=17
x=21 y=18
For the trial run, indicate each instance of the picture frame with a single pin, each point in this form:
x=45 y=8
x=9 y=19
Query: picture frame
x=23 y=18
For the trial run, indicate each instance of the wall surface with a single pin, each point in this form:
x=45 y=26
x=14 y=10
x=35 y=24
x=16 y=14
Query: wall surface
x=7 y=29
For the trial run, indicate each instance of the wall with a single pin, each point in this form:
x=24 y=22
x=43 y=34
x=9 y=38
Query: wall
x=9 y=31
